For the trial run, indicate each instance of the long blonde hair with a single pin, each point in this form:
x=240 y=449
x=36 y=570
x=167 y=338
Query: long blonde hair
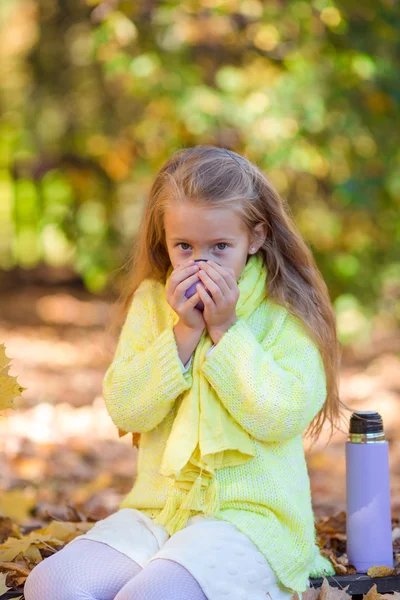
x=213 y=176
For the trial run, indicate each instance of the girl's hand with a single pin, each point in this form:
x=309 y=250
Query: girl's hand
x=220 y=310
x=182 y=277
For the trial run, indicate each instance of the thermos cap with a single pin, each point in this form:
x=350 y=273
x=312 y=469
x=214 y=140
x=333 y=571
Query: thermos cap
x=365 y=426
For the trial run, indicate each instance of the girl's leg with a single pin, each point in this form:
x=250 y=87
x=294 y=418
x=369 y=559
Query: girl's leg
x=83 y=570
x=162 y=579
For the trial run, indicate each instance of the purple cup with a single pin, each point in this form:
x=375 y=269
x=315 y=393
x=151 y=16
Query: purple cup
x=192 y=290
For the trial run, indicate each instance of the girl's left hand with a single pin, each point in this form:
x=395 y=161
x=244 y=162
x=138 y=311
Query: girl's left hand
x=220 y=310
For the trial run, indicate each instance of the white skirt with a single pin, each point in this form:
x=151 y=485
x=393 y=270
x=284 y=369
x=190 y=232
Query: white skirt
x=224 y=561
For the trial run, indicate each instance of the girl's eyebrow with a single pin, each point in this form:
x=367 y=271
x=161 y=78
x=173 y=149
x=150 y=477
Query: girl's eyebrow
x=223 y=238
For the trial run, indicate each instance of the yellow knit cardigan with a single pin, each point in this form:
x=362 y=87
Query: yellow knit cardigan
x=269 y=375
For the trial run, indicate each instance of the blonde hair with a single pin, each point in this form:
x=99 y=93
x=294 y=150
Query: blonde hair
x=213 y=176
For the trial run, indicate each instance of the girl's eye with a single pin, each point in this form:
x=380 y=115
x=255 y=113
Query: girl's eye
x=183 y=244
x=222 y=244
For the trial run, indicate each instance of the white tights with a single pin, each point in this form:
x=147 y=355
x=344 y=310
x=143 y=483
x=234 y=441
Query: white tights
x=90 y=570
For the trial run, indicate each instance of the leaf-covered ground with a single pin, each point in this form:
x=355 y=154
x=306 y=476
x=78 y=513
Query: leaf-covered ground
x=61 y=459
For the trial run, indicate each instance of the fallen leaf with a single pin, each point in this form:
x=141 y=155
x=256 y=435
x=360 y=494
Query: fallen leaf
x=330 y=593
x=381 y=571
x=17 y=504
x=340 y=569
x=12 y=566
x=309 y=594
x=9 y=387
x=7 y=528
x=372 y=593
x=3 y=587
x=333 y=524
x=56 y=533
x=16 y=573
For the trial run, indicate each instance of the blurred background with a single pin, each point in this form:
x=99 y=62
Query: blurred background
x=95 y=96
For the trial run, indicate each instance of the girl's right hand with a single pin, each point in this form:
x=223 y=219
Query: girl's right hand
x=182 y=277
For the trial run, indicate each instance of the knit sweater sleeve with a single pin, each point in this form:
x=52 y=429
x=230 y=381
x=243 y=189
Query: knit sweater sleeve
x=273 y=392
x=145 y=377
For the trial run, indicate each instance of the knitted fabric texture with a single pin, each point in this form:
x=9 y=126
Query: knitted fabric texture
x=204 y=436
x=269 y=376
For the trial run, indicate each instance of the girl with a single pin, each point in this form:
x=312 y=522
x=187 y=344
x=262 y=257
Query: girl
x=221 y=504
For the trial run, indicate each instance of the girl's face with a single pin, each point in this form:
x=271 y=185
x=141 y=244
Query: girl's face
x=216 y=234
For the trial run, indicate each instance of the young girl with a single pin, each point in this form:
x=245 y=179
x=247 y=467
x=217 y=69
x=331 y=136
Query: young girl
x=221 y=504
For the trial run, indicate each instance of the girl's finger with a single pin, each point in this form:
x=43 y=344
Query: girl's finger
x=187 y=263
x=205 y=297
x=217 y=278
x=229 y=278
x=192 y=301
x=182 y=287
x=211 y=285
x=178 y=276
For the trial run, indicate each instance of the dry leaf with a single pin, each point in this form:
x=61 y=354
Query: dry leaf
x=12 y=566
x=334 y=524
x=7 y=528
x=331 y=593
x=309 y=594
x=351 y=570
x=381 y=571
x=16 y=573
x=9 y=387
x=340 y=569
x=3 y=587
x=372 y=593
x=84 y=492
x=135 y=437
x=56 y=533
x=17 y=504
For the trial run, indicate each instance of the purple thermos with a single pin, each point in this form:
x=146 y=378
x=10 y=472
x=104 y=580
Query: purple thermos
x=369 y=523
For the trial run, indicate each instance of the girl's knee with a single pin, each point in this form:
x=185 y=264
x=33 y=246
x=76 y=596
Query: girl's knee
x=162 y=578
x=83 y=570
x=42 y=582
x=53 y=578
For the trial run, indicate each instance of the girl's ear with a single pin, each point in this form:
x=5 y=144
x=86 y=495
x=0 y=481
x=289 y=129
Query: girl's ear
x=258 y=236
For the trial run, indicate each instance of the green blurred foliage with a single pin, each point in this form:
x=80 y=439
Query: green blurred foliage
x=95 y=96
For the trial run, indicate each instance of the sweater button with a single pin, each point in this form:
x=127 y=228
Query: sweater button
x=222 y=588
x=216 y=545
x=210 y=562
x=232 y=568
x=252 y=576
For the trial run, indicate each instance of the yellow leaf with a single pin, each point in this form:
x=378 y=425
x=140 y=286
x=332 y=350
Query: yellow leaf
x=9 y=387
x=62 y=531
x=3 y=587
x=6 y=567
x=372 y=593
x=12 y=547
x=17 y=504
x=381 y=571
x=56 y=533
x=4 y=360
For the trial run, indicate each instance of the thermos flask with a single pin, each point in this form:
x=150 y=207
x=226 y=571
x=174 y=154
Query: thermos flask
x=369 y=523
